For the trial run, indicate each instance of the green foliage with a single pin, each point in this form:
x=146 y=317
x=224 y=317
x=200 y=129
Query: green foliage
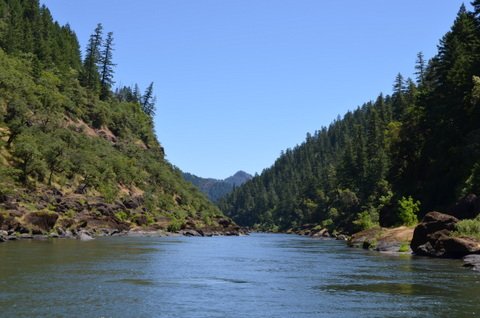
x=472 y=184
x=404 y=247
x=366 y=220
x=122 y=216
x=60 y=129
x=468 y=228
x=175 y=225
x=407 y=211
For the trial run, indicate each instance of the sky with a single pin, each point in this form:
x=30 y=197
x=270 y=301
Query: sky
x=238 y=81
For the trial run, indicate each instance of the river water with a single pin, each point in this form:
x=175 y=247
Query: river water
x=261 y=275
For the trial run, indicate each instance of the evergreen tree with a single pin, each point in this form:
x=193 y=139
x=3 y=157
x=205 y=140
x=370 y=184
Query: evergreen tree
x=106 y=67
x=148 y=101
x=91 y=77
x=420 y=67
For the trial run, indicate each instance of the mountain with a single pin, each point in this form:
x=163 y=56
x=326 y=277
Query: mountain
x=239 y=178
x=75 y=155
x=217 y=189
x=385 y=163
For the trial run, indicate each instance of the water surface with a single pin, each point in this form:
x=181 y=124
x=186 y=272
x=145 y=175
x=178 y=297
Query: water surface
x=262 y=275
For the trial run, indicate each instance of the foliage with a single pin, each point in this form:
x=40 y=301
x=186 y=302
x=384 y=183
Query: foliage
x=407 y=211
x=469 y=228
x=404 y=247
x=62 y=126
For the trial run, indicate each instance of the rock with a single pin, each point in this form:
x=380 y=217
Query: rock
x=81 y=189
x=69 y=234
x=84 y=236
x=133 y=202
x=190 y=233
x=224 y=222
x=389 y=240
x=432 y=238
x=26 y=236
x=319 y=233
x=366 y=238
x=472 y=261
x=342 y=237
x=44 y=221
x=467 y=208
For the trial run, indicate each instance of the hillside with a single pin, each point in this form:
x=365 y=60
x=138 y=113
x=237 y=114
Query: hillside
x=216 y=189
x=410 y=152
x=75 y=155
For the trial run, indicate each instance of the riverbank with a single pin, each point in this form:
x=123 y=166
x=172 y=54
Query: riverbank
x=49 y=213
x=387 y=240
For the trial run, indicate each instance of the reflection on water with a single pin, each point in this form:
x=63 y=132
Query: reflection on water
x=257 y=276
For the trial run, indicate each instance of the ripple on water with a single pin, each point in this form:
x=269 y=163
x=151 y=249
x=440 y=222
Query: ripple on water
x=385 y=288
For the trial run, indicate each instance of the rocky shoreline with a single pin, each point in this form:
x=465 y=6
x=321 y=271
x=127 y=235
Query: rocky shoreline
x=432 y=237
x=50 y=214
x=87 y=236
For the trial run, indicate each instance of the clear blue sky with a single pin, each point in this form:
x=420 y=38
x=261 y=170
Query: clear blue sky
x=237 y=81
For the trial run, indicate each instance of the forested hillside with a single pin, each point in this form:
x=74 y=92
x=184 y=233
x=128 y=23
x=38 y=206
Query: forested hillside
x=416 y=149
x=72 y=151
x=216 y=189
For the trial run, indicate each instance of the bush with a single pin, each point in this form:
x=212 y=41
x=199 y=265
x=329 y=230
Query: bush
x=470 y=228
x=175 y=225
x=405 y=247
x=364 y=221
x=407 y=211
x=122 y=216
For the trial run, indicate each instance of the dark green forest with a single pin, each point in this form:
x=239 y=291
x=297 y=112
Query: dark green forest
x=63 y=125
x=415 y=150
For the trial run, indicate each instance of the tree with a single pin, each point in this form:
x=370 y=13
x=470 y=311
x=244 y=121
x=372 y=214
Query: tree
x=28 y=156
x=476 y=7
x=106 y=72
x=148 y=101
x=16 y=119
x=420 y=68
x=407 y=211
x=90 y=77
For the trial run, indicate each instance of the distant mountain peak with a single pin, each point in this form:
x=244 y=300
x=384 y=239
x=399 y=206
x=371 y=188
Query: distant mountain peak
x=239 y=178
x=216 y=189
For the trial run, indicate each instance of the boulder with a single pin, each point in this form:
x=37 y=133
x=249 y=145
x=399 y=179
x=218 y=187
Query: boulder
x=84 y=236
x=467 y=208
x=432 y=238
x=44 y=221
x=133 y=202
x=472 y=261
x=3 y=236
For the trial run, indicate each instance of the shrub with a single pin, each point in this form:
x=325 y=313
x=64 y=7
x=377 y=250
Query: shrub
x=122 y=216
x=407 y=211
x=470 y=228
x=366 y=220
x=405 y=247
x=175 y=225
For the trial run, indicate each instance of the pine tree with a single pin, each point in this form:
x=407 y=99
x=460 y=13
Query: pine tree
x=90 y=77
x=420 y=67
x=148 y=101
x=106 y=71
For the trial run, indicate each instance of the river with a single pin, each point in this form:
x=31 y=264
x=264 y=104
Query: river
x=261 y=275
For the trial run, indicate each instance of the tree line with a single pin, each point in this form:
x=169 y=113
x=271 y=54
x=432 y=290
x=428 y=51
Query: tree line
x=415 y=150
